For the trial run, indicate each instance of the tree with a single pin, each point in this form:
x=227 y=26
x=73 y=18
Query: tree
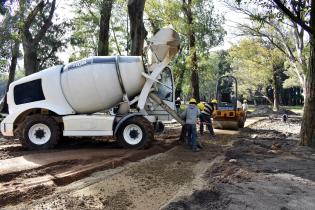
x=187 y=9
x=224 y=64
x=210 y=71
x=120 y=28
x=93 y=34
x=103 y=40
x=252 y=68
x=295 y=10
x=9 y=50
x=85 y=30
x=2 y=8
x=137 y=29
x=54 y=41
x=32 y=33
x=200 y=29
x=257 y=67
x=283 y=34
x=12 y=69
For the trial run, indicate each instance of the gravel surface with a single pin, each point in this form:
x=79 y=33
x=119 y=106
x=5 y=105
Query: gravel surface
x=261 y=168
x=38 y=177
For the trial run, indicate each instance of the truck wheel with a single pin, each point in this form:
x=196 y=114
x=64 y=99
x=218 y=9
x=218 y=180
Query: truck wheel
x=39 y=132
x=136 y=133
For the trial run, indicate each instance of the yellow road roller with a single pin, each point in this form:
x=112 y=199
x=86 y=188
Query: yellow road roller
x=228 y=113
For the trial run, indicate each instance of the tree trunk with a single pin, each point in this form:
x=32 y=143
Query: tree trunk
x=195 y=77
x=31 y=41
x=275 y=92
x=116 y=41
x=137 y=29
x=276 y=100
x=179 y=83
x=192 y=50
x=30 y=58
x=304 y=92
x=103 y=41
x=308 y=122
x=15 y=55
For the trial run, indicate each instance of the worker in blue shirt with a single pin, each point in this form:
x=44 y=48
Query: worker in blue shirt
x=191 y=114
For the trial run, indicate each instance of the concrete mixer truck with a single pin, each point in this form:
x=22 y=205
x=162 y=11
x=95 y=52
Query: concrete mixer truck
x=72 y=99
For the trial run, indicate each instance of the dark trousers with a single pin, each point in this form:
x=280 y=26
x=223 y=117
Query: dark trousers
x=192 y=135
x=189 y=135
x=206 y=119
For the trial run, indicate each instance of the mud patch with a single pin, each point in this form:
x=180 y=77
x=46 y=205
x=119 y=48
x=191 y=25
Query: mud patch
x=52 y=169
x=65 y=172
x=150 y=175
x=120 y=201
x=14 y=198
x=202 y=199
x=265 y=110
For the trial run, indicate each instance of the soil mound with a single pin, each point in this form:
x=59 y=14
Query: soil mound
x=264 y=110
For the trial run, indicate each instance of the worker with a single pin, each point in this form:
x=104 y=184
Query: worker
x=245 y=107
x=177 y=104
x=201 y=106
x=205 y=117
x=191 y=114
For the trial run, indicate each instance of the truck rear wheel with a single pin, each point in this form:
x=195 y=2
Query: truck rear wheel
x=136 y=133
x=39 y=132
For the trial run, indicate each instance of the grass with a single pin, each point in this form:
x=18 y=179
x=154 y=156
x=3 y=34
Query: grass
x=296 y=109
x=251 y=108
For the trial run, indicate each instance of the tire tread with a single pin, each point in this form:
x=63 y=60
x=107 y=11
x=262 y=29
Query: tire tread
x=22 y=131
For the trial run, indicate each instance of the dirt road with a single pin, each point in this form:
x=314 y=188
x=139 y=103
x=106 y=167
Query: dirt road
x=259 y=168
x=27 y=175
x=264 y=168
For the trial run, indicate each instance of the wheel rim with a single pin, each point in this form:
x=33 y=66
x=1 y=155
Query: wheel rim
x=39 y=134
x=133 y=134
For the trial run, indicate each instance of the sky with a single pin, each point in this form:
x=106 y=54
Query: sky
x=231 y=18
x=230 y=25
x=65 y=11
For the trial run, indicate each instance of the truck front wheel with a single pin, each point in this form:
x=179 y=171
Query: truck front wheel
x=135 y=133
x=39 y=132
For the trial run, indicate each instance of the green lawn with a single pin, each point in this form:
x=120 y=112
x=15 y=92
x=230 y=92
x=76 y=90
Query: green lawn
x=251 y=108
x=296 y=109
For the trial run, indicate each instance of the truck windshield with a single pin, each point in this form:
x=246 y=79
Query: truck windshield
x=165 y=87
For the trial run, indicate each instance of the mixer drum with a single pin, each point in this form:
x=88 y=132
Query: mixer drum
x=91 y=85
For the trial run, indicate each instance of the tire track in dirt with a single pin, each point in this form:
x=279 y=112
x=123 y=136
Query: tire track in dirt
x=34 y=183
x=147 y=184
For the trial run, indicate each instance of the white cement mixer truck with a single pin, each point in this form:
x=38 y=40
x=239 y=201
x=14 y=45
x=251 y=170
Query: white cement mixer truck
x=75 y=99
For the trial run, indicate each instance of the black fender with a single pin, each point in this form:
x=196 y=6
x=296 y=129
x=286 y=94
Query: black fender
x=123 y=119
